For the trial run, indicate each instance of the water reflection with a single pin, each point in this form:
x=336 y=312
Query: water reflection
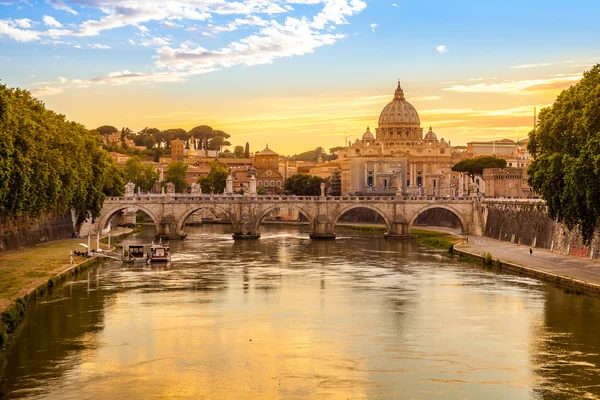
x=287 y=317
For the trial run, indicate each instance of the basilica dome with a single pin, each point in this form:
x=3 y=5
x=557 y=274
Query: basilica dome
x=399 y=120
x=368 y=135
x=431 y=135
x=399 y=113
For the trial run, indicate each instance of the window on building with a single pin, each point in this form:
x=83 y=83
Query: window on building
x=259 y=183
x=272 y=183
x=278 y=183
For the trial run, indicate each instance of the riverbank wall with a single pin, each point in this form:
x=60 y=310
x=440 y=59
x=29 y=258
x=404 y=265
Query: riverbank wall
x=575 y=285
x=16 y=233
x=526 y=222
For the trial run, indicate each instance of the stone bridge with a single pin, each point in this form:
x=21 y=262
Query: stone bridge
x=170 y=212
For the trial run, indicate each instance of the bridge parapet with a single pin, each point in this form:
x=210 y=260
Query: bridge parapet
x=323 y=212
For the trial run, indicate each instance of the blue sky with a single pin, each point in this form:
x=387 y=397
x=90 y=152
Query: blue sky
x=318 y=69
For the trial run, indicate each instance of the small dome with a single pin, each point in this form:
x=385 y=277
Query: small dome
x=368 y=135
x=430 y=135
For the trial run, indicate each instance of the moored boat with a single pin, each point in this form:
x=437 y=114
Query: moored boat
x=134 y=254
x=159 y=252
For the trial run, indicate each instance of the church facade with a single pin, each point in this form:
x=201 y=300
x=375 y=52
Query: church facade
x=398 y=159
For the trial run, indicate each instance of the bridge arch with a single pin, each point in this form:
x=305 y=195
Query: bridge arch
x=381 y=213
x=463 y=223
x=272 y=207
x=105 y=217
x=214 y=209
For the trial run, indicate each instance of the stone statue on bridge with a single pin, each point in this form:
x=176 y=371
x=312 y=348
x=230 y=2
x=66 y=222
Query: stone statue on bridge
x=196 y=189
x=170 y=188
x=322 y=189
x=130 y=189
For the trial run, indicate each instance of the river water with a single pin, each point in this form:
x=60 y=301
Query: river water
x=286 y=317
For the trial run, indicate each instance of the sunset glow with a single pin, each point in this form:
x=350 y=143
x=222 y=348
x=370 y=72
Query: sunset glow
x=297 y=73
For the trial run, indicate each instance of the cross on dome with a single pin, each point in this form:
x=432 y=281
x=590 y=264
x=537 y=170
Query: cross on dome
x=399 y=94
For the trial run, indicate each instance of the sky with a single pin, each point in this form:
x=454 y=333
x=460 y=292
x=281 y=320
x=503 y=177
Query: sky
x=297 y=74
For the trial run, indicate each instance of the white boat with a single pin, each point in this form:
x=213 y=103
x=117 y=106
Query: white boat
x=159 y=252
x=134 y=253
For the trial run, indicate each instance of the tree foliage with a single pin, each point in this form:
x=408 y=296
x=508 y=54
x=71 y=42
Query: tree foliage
x=106 y=129
x=216 y=180
x=238 y=151
x=313 y=155
x=474 y=167
x=247 y=150
x=303 y=185
x=143 y=175
x=176 y=174
x=566 y=150
x=49 y=164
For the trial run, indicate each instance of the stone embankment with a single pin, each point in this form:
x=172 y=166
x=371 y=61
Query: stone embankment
x=579 y=274
x=27 y=274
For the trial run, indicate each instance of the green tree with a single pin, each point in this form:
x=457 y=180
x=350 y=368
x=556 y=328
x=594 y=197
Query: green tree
x=313 y=155
x=303 y=185
x=149 y=142
x=106 y=129
x=202 y=132
x=216 y=179
x=157 y=154
x=238 y=151
x=176 y=174
x=218 y=140
x=143 y=175
x=474 y=167
x=247 y=150
x=334 y=150
x=49 y=165
x=565 y=146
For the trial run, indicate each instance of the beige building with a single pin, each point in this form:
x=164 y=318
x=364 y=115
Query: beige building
x=266 y=164
x=398 y=158
x=506 y=182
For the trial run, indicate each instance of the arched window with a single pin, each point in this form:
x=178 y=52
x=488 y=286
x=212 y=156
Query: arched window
x=259 y=183
x=278 y=183
x=272 y=183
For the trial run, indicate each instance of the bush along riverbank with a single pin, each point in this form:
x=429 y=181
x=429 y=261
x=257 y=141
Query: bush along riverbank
x=436 y=239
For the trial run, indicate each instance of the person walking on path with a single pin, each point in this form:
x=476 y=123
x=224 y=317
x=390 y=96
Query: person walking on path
x=530 y=252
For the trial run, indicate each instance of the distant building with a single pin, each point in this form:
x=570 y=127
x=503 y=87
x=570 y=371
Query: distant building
x=112 y=138
x=177 y=150
x=398 y=159
x=266 y=163
x=504 y=148
x=119 y=158
x=506 y=182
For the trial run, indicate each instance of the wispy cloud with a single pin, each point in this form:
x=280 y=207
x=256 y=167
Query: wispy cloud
x=526 y=86
x=12 y=30
x=60 y=5
x=531 y=65
x=441 y=48
x=50 y=21
x=98 y=46
x=374 y=26
x=278 y=36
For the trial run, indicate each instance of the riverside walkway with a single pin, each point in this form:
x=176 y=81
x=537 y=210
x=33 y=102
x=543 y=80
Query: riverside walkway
x=542 y=263
x=25 y=269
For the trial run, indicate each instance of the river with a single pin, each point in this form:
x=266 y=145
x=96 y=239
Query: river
x=286 y=317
